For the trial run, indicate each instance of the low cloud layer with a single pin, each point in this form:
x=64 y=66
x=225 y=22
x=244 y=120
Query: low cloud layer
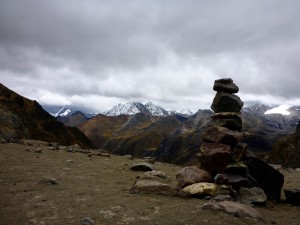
x=100 y=53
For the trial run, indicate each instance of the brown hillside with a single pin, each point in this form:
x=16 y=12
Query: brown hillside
x=137 y=134
x=23 y=118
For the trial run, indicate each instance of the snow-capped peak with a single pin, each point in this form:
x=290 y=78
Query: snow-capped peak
x=156 y=110
x=126 y=109
x=63 y=112
x=187 y=112
x=282 y=109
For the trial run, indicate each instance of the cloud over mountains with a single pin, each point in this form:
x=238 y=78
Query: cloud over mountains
x=100 y=53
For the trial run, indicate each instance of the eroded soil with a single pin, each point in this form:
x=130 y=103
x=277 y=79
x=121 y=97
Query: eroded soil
x=98 y=188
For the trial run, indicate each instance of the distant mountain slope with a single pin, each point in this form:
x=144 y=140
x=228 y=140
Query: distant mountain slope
x=138 y=134
x=286 y=150
x=24 y=118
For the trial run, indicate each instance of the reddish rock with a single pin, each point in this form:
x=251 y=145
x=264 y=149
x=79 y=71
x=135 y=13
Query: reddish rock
x=214 y=157
x=224 y=102
x=217 y=134
x=190 y=175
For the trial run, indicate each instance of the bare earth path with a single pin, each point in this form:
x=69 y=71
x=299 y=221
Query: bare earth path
x=99 y=188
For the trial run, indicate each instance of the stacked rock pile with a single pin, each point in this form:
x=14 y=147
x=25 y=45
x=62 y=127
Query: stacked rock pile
x=226 y=167
x=223 y=153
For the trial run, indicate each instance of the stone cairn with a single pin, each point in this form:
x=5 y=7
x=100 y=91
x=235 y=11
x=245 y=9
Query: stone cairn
x=226 y=167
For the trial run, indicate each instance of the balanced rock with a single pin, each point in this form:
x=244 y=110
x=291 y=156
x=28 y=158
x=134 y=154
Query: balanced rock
x=190 y=175
x=226 y=85
x=233 y=208
x=207 y=189
x=292 y=196
x=217 y=134
x=235 y=180
x=265 y=176
x=254 y=195
x=232 y=121
x=224 y=102
x=214 y=157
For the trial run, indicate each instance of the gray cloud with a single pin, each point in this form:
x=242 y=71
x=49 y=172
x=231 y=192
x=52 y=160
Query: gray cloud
x=101 y=52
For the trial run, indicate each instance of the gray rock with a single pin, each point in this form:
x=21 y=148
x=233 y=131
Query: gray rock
x=233 y=208
x=142 y=167
x=219 y=198
x=192 y=174
x=235 y=180
x=128 y=156
x=224 y=102
x=51 y=181
x=87 y=221
x=153 y=187
x=226 y=85
x=254 y=195
x=154 y=175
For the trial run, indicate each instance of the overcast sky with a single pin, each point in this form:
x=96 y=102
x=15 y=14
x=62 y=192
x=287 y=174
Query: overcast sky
x=97 y=53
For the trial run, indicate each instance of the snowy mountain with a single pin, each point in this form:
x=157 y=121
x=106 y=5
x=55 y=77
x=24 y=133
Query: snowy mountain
x=126 y=109
x=63 y=112
x=282 y=109
x=156 y=110
x=185 y=112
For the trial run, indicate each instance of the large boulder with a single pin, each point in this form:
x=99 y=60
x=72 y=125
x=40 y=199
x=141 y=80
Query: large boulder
x=233 y=208
x=226 y=85
x=265 y=176
x=207 y=189
x=217 y=134
x=214 y=157
x=192 y=174
x=224 y=102
x=232 y=121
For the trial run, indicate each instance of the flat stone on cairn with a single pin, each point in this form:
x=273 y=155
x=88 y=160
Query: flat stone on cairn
x=226 y=85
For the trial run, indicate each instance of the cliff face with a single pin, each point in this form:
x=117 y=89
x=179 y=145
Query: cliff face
x=23 y=118
x=286 y=151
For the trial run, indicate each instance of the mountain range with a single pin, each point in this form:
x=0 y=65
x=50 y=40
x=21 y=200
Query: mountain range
x=150 y=130
x=143 y=130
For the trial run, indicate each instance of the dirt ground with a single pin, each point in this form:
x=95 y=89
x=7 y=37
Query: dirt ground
x=98 y=188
